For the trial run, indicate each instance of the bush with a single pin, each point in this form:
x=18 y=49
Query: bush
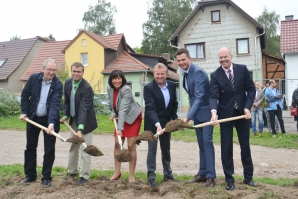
x=9 y=105
x=101 y=109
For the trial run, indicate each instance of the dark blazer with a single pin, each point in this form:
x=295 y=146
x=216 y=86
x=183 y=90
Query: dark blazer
x=84 y=107
x=31 y=94
x=198 y=92
x=155 y=110
x=127 y=110
x=295 y=98
x=222 y=94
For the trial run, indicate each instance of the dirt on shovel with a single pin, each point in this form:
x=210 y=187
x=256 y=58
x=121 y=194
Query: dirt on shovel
x=124 y=156
x=145 y=136
x=75 y=139
x=93 y=151
x=176 y=125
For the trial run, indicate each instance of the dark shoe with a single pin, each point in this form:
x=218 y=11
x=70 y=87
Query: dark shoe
x=249 y=183
x=210 y=183
x=69 y=175
x=46 y=183
x=169 y=178
x=152 y=183
x=199 y=178
x=82 y=181
x=27 y=180
x=230 y=186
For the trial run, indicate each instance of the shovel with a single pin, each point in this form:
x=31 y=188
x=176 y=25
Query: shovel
x=124 y=155
x=44 y=128
x=91 y=149
x=206 y=124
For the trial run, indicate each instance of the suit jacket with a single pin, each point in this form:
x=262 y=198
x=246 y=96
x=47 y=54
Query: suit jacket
x=259 y=101
x=155 y=110
x=84 y=107
x=222 y=96
x=31 y=94
x=127 y=110
x=295 y=98
x=198 y=92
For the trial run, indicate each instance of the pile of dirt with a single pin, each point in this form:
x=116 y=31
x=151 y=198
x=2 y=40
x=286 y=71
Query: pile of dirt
x=93 y=150
x=75 y=139
x=145 y=136
x=176 y=125
x=102 y=187
x=124 y=156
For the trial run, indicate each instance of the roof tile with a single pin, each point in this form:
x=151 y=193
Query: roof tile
x=289 y=36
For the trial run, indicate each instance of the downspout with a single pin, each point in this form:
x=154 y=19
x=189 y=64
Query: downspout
x=256 y=55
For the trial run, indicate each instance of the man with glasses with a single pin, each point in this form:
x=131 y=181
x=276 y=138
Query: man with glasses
x=40 y=102
x=78 y=106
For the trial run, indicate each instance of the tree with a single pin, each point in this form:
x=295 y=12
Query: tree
x=51 y=37
x=99 y=18
x=13 y=38
x=165 y=16
x=270 y=21
x=138 y=50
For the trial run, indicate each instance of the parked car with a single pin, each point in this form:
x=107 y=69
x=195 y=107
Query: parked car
x=102 y=98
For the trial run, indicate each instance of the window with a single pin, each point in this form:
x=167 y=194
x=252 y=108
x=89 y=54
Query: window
x=84 y=42
x=215 y=16
x=84 y=59
x=2 y=62
x=196 y=50
x=242 y=46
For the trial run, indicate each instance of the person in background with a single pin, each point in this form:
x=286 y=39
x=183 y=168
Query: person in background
x=257 y=110
x=160 y=107
x=129 y=117
x=232 y=94
x=263 y=87
x=295 y=103
x=274 y=106
x=79 y=109
x=40 y=102
x=196 y=84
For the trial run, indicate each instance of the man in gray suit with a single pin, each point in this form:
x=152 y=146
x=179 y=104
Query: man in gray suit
x=196 y=84
x=257 y=110
x=160 y=107
x=78 y=106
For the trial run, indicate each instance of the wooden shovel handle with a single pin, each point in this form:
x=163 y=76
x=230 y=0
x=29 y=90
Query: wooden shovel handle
x=219 y=121
x=44 y=128
x=73 y=131
x=119 y=137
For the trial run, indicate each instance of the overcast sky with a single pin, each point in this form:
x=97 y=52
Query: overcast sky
x=62 y=18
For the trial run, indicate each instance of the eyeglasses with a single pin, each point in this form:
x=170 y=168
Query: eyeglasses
x=76 y=71
x=51 y=70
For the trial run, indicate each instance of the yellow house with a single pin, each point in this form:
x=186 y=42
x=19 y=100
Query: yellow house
x=89 y=49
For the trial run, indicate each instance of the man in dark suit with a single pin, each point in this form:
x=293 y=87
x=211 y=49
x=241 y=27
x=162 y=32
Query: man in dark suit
x=196 y=84
x=40 y=102
x=78 y=106
x=232 y=93
x=160 y=107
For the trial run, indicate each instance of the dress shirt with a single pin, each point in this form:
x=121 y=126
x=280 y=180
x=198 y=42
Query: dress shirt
x=166 y=95
x=42 y=103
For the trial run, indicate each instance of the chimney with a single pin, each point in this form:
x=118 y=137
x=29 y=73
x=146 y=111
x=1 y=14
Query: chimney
x=289 y=17
x=166 y=56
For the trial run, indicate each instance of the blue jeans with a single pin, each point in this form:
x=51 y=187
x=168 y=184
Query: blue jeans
x=254 y=121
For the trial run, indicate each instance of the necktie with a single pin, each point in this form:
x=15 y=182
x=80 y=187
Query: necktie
x=72 y=101
x=185 y=80
x=231 y=78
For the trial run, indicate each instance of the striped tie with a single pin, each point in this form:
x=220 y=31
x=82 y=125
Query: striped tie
x=231 y=78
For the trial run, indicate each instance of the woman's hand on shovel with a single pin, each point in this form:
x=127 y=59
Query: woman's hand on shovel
x=119 y=132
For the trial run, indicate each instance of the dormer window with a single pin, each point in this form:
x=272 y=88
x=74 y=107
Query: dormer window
x=2 y=62
x=215 y=16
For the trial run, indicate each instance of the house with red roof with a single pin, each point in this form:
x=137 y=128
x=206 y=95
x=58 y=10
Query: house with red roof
x=289 y=52
x=15 y=58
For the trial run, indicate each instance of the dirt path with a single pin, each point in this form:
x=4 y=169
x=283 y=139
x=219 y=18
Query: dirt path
x=269 y=162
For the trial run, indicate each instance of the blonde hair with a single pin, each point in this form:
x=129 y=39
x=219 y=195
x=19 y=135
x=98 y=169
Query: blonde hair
x=160 y=66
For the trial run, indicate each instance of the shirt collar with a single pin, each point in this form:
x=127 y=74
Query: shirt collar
x=166 y=86
x=226 y=70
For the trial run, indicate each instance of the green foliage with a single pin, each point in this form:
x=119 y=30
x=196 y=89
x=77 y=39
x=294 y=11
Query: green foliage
x=138 y=50
x=270 y=21
x=9 y=105
x=165 y=16
x=101 y=109
x=63 y=75
x=99 y=18
x=50 y=37
x=15 y=37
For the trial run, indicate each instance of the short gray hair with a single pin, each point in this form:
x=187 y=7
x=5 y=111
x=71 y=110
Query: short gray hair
x=49 y=60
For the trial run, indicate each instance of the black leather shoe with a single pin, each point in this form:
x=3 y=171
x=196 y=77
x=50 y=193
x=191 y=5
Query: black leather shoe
x=46 y=183
x=69 y=175
x=152 y=183
x=249 y=183
x=199 y=178
x=169 y=178
x=82 y=181
x=27 y=180
x=230 y=186
x=210 y=183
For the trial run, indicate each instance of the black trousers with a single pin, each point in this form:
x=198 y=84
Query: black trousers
x=32 y=135
x=278 y=114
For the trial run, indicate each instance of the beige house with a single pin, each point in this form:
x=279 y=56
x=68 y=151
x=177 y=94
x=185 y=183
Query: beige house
x=217 y=23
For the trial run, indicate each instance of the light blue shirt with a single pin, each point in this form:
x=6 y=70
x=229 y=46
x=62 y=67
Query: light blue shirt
x=166 y=95
x=42 y=104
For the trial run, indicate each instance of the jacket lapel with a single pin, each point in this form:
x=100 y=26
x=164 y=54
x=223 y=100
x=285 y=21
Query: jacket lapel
x=158 y=91
x=223 y=78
